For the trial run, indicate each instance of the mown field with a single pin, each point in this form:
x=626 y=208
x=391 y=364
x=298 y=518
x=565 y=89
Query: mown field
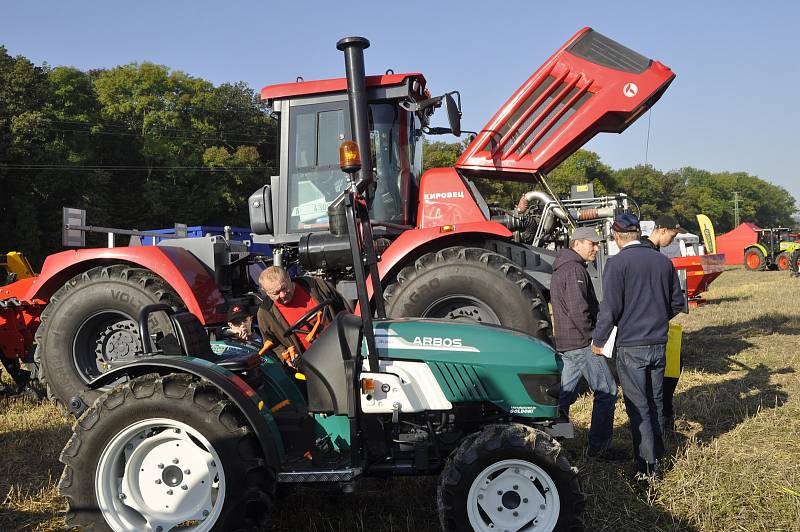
x=734 y=463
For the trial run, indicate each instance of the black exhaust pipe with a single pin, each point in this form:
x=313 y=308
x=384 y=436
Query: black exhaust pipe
x=353 y=48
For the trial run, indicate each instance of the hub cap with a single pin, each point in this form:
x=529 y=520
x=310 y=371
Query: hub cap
x=102 y=339
x=462 y=308
x=158 y=474
x=511 y=496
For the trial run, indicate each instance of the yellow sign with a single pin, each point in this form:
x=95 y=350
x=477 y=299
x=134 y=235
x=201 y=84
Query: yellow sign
x=707 y=230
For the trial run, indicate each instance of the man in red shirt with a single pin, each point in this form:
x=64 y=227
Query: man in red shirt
x=287 y=301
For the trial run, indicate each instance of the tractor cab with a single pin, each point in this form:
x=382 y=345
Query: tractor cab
x=314 y=119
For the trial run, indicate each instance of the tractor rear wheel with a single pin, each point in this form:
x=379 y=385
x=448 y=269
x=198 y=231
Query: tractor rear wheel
x=469 y=284
x=90 y=323
x=509 y=477
x=754 y=260
x=783 y=261
x=163 y=452
x=794 y=262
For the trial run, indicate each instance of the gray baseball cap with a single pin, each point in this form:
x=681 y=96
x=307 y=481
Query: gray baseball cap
x=586 y=233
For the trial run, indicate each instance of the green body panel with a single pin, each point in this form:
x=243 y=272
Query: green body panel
x=789 y=246
x=337 y=427
x=473 y=362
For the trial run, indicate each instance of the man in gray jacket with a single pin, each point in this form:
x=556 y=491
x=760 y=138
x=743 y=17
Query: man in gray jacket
x=574 y=315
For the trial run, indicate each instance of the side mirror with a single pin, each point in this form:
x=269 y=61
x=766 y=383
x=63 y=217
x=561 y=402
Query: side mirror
x=453 y=113
x=260 y=206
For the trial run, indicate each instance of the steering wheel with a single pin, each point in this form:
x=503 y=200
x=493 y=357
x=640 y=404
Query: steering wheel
x=296 y=327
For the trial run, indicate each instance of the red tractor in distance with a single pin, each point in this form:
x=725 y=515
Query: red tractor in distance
x=444 y=252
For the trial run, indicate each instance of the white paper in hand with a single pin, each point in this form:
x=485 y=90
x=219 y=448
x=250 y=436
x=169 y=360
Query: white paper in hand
x=608 y=348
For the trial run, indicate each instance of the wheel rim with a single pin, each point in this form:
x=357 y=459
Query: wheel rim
x=101 y=339
x=462 y=307
x=783 y=263
x=158 y=474
x=753 y=260
x=513 y=495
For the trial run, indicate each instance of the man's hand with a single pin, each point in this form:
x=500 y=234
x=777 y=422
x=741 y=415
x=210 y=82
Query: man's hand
x=597 y=350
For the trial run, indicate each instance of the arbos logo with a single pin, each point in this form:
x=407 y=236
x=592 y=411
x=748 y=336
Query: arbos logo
x=433 y=341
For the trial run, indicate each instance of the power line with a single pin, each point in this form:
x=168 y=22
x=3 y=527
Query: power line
x=124 y=168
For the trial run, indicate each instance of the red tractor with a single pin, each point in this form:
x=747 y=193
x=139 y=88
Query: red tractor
x=444 y=251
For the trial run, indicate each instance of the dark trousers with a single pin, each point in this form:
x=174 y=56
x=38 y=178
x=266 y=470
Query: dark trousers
x=641 y=375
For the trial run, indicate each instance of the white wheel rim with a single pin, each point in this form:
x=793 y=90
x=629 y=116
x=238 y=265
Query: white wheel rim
x=513 y=495
x=157 y=474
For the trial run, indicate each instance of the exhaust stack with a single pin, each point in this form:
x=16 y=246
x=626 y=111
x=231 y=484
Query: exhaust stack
x=353 y=48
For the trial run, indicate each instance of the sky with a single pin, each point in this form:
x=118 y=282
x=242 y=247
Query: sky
x=732 y=107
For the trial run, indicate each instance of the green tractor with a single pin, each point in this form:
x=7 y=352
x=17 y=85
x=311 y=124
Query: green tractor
x=773 y=250
x=203 y=442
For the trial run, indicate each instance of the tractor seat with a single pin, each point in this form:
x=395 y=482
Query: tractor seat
x=329 y=365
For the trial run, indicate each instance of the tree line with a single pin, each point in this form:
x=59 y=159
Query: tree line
x=138 y=146
x=682 y=193
x=143 y=146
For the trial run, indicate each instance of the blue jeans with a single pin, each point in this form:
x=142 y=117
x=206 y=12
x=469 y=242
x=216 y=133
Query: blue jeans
x=641 y=375
x=583 y=363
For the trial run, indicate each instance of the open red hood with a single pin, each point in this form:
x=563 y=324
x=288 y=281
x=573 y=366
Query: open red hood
x=591 y=85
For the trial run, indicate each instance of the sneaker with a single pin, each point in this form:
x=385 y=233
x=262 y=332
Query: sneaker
x=610 y=454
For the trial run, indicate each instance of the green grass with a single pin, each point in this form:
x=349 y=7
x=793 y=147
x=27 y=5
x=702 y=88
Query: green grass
x=733 y=465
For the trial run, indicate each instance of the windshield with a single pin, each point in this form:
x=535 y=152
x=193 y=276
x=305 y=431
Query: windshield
x=315 y=179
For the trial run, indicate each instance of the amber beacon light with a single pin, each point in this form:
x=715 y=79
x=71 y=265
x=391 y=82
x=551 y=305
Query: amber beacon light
x=349 y=159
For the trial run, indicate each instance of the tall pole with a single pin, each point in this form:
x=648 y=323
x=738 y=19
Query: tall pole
x=735 y=209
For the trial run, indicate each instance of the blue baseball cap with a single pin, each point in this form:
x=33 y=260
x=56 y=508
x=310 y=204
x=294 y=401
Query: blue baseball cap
x=626 y=223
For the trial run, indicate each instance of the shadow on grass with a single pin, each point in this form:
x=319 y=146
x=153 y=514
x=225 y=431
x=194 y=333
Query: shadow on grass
x=21 y=520
x=719 y=407
x=709 y=349
x=728 y=299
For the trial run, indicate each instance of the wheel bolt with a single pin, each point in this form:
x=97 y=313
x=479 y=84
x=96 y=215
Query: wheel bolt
x=177 y=431
x=169 y=492
x=174 y=460
x=205 y=513
x=213 y=463
x=542 y=507
x=122 y=496
x=499 y=492
x=515 y=514
x=516 y=487
x=184 y=487
x=525 y=501
x=158 y=481
x=186 y=471
x=516 y=470
x=159 y=528
x=161 y=466
x=480 y=496
x=499 y=508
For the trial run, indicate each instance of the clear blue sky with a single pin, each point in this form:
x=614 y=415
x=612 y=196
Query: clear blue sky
x=733 y=106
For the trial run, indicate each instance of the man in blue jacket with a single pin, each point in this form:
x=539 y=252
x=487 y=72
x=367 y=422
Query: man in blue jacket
x=641 y=293
x=574 y=315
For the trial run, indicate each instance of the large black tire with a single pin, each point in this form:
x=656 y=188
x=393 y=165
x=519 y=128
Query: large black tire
x=754 y=260
x=249 y=480
x=90 y=322
x=490 y=448
x=471 y=284
x=794 y=262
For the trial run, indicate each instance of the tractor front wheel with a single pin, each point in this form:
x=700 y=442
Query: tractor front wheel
x=165 y=452
x=783 y=261
x=90 y=324
x=469 y=284
x=754 y=260
x=509 y=478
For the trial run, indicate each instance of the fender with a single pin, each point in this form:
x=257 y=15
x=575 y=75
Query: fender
x=179 y=268
x=759 y=247
x=410 y=242
x=239 y=392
